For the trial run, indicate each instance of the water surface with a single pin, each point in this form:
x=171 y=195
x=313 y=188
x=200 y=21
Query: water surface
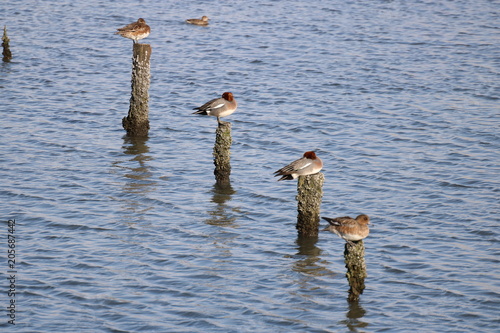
x=399 y=99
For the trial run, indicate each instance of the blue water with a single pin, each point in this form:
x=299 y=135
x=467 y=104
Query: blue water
x=399 y=98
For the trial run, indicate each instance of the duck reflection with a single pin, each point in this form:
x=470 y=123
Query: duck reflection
x=221 y=214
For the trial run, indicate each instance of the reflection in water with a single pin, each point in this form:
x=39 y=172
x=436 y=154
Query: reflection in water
x=310 y=265
x=220 y=215
x=354 y=257
x=309 y=262
x=137 y=175
x=353 y=317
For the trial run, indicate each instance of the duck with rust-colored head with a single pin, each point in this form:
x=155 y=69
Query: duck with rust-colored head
x=218 y=107
x=307 y=165
x=349 y=229
x=135 y=31
x=202 y=21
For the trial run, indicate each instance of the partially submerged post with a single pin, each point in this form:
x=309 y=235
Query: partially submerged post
x=137 y=121
x=222 y=159
x=7 y=55
x=353 y=231
x=309 y=188
x=309 y=194
x=354 y=255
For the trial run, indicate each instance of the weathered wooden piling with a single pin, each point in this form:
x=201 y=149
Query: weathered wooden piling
x=309 y=194
x=7 y=55
x=137 y=121
x=222 y=152
x=354 y=257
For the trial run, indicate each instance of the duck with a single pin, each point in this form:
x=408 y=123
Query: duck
x=307 y=165
x=135 y=30
x=202 y=21
x=349 y=229
x=218 y=107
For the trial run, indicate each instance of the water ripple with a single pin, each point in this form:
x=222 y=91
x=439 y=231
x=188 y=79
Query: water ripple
x=132 y=235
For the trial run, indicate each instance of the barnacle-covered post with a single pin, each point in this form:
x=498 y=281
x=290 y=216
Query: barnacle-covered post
x=354 y=255
x=7 y=55
x=137 y=121
x=309 y=194
x=222 y=159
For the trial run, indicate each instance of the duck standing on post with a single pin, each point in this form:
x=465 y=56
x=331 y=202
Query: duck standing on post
x=218 y=107
x=135 y=31
x=349 y=229
x=307 y=165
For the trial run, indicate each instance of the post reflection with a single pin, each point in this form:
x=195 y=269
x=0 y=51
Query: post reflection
x=354 y=315
x=309 y=262
x=136 y=173
x=221 y=214
x=139 y=175
x=354 y=258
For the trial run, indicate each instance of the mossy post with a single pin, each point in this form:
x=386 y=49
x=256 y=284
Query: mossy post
x=7 y=55
x=354 y=255
x=309 y=194
x=222 y=152
x=137 y=121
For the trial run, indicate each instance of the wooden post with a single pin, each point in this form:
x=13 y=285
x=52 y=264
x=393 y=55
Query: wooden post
x=222 y=159
x=7 y=55
x=309 y=194
x=354 y=255
x=137 y=121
